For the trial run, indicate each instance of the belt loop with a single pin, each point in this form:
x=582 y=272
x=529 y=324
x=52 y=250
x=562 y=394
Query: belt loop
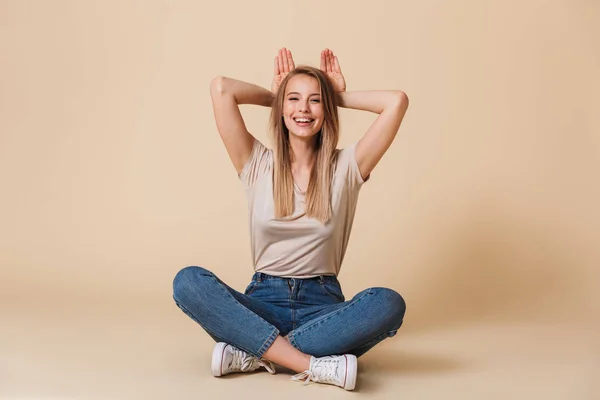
x=321 y=279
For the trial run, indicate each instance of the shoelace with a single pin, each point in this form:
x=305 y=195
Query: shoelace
x=323 y=371
x=267 y=364
x=241 y=360
x=306 y=374
x=246 y=362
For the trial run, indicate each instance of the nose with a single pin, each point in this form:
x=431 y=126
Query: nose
x=303 y=106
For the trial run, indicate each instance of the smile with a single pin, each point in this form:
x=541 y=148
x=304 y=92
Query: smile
x=303 y=120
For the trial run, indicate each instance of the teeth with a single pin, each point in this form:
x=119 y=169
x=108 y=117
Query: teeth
x=303 y=120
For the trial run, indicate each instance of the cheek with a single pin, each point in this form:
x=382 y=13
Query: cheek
x=288 y=110
x=321 y=117
x=287 y=117
x=318 y=111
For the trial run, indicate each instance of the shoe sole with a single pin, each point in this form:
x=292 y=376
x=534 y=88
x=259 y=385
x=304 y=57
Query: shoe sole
x=351 y=370
x=217 y=358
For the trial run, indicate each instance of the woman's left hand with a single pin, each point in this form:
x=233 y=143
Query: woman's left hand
x=331 y=67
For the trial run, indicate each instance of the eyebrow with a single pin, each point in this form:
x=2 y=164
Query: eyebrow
x=313 y=94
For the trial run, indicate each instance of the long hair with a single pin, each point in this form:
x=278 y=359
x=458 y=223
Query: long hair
x=318 y=194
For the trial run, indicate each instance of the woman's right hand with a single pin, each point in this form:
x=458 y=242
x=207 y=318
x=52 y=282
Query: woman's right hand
x=284 y=64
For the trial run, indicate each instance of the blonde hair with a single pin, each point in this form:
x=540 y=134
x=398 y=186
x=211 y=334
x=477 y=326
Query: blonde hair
x=318 y=193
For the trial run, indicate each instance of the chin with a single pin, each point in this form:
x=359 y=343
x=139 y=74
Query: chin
x=304 y=135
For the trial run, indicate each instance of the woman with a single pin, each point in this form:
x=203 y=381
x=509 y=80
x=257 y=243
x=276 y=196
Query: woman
x=301 y=197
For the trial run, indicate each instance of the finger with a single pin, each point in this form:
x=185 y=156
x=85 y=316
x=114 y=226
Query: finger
x=291 y=65
x=332 y=60
x=280 y=62
x=284 y=55
x=328 y=60
x=323 y=64
x=276 y=66
x=336 y=65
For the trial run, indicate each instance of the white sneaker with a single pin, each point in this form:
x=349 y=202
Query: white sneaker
x=333 y=370
x=227 y=359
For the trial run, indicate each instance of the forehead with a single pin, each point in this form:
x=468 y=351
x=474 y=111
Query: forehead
x=303 y=84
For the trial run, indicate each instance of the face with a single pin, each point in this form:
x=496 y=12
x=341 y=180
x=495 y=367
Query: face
x=302 y=108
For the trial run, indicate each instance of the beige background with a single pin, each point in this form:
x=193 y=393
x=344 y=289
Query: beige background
x=483 y=214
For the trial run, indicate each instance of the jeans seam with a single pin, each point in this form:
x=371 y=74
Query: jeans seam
x=252 y=288
x=189 y=314
x=270 y=338
x=292 y=341
x=237 y=302
x=312 y=324
x=267 y=343
x=330 y=294
x=377 y=339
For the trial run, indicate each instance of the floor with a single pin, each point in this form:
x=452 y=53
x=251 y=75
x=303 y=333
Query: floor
x=84 y=348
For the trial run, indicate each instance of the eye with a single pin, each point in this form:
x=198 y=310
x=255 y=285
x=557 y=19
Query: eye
x=292 y=98
x=316 y=100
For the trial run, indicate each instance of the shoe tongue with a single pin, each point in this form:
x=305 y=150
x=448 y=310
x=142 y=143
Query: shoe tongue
x=325 y=369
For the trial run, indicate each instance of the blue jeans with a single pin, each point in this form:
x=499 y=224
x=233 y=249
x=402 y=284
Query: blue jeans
x=312 y=312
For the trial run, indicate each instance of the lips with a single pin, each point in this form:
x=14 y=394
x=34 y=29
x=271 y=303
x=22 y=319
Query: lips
x=303 y=121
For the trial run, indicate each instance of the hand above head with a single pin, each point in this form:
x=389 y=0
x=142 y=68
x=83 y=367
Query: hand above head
x=284 y=64
x=331 y=67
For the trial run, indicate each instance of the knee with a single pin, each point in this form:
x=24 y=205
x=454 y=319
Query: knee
x=187 y=280
x=393 y=304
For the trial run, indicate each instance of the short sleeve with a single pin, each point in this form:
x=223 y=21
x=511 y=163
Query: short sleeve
x=348 y=165
x=257 y=165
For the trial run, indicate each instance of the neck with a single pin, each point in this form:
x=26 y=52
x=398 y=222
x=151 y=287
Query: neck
x=303 y=153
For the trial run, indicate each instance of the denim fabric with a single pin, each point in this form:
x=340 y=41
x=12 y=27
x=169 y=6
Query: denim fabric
x=313 y=313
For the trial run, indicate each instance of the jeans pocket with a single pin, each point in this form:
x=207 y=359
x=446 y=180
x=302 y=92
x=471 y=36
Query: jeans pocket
x=251 y=288
x=333 y=290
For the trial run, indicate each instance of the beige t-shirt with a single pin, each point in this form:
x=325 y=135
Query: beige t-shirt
x=297 y=246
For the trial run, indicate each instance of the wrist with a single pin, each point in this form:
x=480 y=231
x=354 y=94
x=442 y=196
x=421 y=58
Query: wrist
x=341 y=98
x=269 y=99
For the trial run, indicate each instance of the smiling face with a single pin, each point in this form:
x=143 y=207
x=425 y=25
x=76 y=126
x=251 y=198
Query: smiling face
x=302 y=107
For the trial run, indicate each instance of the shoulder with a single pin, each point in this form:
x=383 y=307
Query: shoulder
x=345 y=154
x=346 y=164
x=259 y=162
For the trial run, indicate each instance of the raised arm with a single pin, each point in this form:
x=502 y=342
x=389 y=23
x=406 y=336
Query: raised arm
x=227 y=94
x=391 y=105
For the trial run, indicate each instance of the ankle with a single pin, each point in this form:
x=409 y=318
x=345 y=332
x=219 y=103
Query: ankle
x=304 y=364
x=283 y=353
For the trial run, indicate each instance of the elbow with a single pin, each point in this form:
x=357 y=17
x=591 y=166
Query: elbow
x=397 y=102
x=401 y=99
x=218 y=86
